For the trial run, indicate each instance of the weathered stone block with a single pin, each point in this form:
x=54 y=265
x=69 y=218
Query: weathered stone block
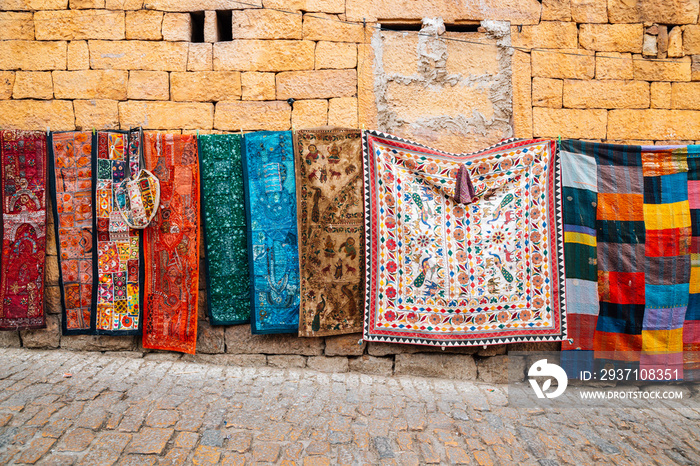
x=546 y=35
x=78 y=55
x=253 y=116
x=98 y=343
x=647 y=70
x=166 y=115
x=16 y=26
x=589 y=11
x=691 y=39
x=342 y=111
x=34 y=5
x=102 y=114
x=658 y=125
x=547 y=92
x=387 y=349
x=86 y=4
x=205 y=86
x=568 y=123
x=370 y=365
x=492 y=350
x=33 y=85
x=493 y=369
x=325 y=364
x=124 y=4
x=48 y=337
x=240 y=341
x=90 y=84
x=264 y=55
x=9 y=340
x=447 y=366
x=265 y=24
x=345 y=345
x=515 y=11
x=675 y=43
x=653 y=11
x=316 y=84
x=606 y=94
x=325 y=6
x=286 y=361
x=570 y=64
x=649 y=48
x=199 y=5
x=613 y=65
x=556 y=10
x=522 y=94
x=200 y=57
x=138 y=55
x=661 y=95
x=144 y=25
x=79 y=24
x=685 y=96
x=52 y=299
x=148 y=85
x=7 y=83
x=37 y=114
x=177 y=27
x=536 y=346
x=612 y=37
x=336 y=55
x=322 y=27
x=258 y=86
x=32 y=55
x=309 y=113
x=210 y=339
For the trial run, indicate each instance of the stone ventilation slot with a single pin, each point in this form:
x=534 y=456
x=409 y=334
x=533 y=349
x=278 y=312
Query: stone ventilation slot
x=462 y=27
x=224 y=19
x=197 y=22
x=401 y=26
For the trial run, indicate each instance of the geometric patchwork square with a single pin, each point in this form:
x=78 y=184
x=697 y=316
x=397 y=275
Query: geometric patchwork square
x=664 y=216
x=617 y=206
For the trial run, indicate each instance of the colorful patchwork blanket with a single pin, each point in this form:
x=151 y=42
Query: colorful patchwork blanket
x=71 y=184
x=172 y=245
x=331 y=236
x=442 y=273
x=632 y=242
x=23 y=155
x=223 y=222
x=271 y=218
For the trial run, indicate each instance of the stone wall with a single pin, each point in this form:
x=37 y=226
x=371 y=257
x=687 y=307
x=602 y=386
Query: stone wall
x=625 y=71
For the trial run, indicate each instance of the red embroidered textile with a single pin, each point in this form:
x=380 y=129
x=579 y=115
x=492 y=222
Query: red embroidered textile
x=172 y=245
x=24 y=229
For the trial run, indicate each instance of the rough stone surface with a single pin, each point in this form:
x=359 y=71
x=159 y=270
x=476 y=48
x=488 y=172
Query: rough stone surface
x=691 y=40
x=90 y=84
x=589 y=11
x=345 y=345
x=166 y=115
x=97 y=343
x=325 y=364
x=258 y=86
x=144 y=25
x=284 y=361
x=570 y=123
x=200 y=57
x=571 y=64
x=448 y=366
x=148 y=85
x=606 y=94
x=647 y=70
x=138 y=55
x=316 y=84
x=675 y=43
x=79 y=24
x=9 y=340
x=612 y=37
x=33 y=114
x=264 y=55
x=31 y=55
x=342 y=111
x=310 y=113
x=96 y=114
x=78 y=55
x=48 y=337
x=522 y=95
x=16 y=26
x=493 y=369
x=649 y=48
x=661 y=95
x=556 y=10
x=372 y=365
x=684 y=96
x=322 y=27
x=653 y=11
x=266 y=24
x=335 y=55
x=546 y=35
x=210 y=338
x=205 y=86
x=547 y=92
x=177 y=27
x=252 y=116
x=240 y=341
x=33 y=85
x=52 y=300
x=653 y=124
x=613 y=65
x=198 y=5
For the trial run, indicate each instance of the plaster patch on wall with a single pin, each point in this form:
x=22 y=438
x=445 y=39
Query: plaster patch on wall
x=454 y=95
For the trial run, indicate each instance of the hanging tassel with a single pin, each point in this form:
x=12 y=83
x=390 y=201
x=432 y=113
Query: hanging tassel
x=464 y=191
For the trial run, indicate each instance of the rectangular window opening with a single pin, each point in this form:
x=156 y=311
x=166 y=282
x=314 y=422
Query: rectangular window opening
x=224 y=20
x=197 y=21
x=462 y=27
x=401 y=26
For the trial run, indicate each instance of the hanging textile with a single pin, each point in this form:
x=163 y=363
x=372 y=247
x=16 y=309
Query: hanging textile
x=632 y=242
x=223 y=222
x=70 y=179
x=271 y=219
x=442 y=273
x=331 y=238
x=118 y=268
x=24 y=229
x=172 y=245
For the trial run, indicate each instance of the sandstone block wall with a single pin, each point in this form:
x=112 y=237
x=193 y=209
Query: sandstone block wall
x=625 y=71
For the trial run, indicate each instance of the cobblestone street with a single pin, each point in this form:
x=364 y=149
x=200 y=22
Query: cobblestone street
x=64 y=408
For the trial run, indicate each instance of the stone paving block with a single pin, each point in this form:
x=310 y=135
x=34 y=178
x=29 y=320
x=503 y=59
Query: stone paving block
x=150 y=440
x=266 y=452
x=233 y=459
x=138 y=460
x=206 y=455
x=76 y=440
x=35 y=450
x=175 y=457
x=162 y=418
x=186 y=440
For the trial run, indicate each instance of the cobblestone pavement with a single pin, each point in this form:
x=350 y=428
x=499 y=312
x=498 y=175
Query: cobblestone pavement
x=152 y=410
